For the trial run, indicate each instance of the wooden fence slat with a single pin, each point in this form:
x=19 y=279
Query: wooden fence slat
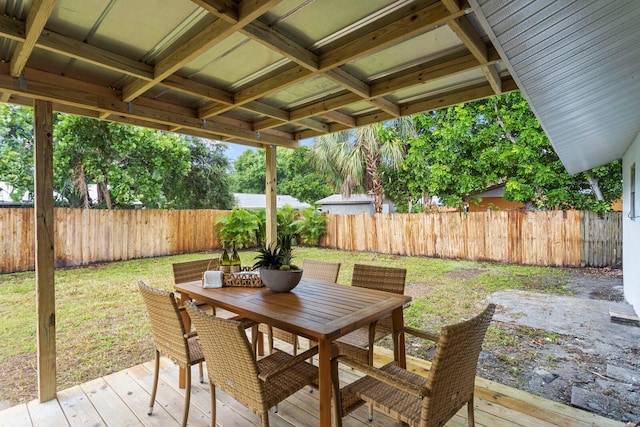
x=550 y=238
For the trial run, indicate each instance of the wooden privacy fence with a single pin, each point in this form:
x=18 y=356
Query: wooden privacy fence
x=84 y=236
x=547 y=238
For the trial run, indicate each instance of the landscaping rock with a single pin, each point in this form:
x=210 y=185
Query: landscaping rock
x=623 y=374
x=546 y=376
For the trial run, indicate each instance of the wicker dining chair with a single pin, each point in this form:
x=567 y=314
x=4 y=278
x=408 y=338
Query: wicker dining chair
x=416 y=400
x=359 y=343
x=324 y=271
x=170 y=340
x=258 y=385
x=190 y=271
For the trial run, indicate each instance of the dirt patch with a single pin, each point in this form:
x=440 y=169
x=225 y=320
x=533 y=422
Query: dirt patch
x=418 y=290
x=464 y=273
x=565 y=348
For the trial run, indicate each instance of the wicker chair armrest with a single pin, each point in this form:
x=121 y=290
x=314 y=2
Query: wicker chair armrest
x=300 y=358
x=420 y=334
x=385 y=377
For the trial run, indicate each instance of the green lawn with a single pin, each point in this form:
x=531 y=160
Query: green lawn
x=102 y=328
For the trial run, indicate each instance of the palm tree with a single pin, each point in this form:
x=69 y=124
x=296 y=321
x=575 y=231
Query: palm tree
x=351 y=159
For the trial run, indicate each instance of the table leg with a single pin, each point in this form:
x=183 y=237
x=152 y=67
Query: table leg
x=324 y=382
x=397 y=321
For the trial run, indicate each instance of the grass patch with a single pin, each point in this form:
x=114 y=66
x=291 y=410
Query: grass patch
x=102 y=325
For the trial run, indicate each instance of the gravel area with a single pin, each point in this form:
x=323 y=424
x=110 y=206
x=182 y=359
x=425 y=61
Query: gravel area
x=568 y=349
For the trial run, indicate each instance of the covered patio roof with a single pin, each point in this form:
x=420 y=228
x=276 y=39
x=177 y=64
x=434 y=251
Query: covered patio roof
x=261 y=72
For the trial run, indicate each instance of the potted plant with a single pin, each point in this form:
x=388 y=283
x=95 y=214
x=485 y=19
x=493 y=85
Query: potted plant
x=276 y=270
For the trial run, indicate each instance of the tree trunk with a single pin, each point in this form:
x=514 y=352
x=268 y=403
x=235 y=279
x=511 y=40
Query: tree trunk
x=596 y=189
x=103 y=194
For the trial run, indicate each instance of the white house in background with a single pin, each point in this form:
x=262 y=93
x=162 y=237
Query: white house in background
x=258 y=201
x=355 y=204
x=5 y=194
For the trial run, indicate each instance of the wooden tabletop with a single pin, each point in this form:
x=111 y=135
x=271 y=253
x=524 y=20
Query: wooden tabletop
x=316 y=310
x=312 y=309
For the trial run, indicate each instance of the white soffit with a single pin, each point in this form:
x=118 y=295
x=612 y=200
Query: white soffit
x=578 y=64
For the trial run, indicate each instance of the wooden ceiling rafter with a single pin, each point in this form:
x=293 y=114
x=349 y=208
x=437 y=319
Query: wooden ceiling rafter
x=210 y=103
x=53 y=42
x=290 y=49
x=200 y=43
x=448 y=99
x=472 y=40
x=412 y=24
x=82 y=95
x=36 y=20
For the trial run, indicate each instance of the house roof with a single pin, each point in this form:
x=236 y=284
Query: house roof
x=496 y=190
x=339 y=199
x=578 y=64
x=258 y=201
x=265 y=72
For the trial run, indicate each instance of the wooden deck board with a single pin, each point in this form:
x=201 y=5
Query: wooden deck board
x=78 y=408
x=16 y=416
x=48 y=413
x=122 y=398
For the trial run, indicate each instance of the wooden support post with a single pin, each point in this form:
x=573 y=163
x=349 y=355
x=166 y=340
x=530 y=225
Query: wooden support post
x=45 y=267
x=271 y=194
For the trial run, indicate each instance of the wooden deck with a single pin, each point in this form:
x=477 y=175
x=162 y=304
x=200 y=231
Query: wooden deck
x=122 y=398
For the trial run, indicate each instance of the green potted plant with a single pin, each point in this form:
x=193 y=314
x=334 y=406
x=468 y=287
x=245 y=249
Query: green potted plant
x=276 y=269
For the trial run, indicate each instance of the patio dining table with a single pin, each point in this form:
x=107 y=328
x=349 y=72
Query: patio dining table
x=316 y=310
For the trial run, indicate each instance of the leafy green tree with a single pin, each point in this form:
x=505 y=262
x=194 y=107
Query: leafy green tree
x=249 y=174
x=353 y=159
x=300 y=178
x=16 y=150
x=206 y=184
x=127 y=163
x=471 y=146
x=295 y=174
